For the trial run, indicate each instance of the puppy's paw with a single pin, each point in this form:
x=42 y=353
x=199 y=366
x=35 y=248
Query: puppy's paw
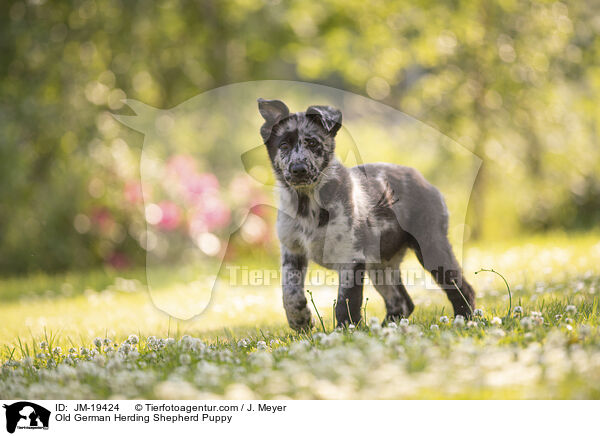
x=301 y=321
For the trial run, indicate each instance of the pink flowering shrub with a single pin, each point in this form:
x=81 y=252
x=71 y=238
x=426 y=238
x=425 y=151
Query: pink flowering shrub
x=182 y=205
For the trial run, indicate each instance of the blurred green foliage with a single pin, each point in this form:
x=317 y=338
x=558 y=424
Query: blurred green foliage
x=517 y=82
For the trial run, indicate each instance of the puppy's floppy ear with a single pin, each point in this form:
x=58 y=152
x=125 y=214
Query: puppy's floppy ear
x=330 y=118
x=272 y=110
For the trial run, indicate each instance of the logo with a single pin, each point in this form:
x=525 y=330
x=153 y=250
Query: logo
x=26 y=415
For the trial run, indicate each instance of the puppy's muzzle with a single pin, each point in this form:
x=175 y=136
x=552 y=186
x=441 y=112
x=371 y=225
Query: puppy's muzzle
x=300 y=174
x=299 y=170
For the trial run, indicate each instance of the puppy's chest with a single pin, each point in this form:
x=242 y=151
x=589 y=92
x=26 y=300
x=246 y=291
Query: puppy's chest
x=317 y=231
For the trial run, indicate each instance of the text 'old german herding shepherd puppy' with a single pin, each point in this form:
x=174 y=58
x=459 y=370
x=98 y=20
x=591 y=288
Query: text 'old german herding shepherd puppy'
x=357 y=220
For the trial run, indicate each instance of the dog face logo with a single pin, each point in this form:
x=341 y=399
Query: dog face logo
x=26 y=415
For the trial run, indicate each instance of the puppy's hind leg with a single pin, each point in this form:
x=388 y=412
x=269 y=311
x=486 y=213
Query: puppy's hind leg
x=350 y=294
x=437 y=258
x=388 y=283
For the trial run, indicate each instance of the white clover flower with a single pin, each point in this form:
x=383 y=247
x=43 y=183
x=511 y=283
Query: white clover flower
x=569 y=327
x=518 y=310
x=434 y=327
x=376 y=328
x=351 y=326
x=72 y=350
x=404 y=322
x=374 y=320
x=496 y=321
x=536 y=314
x=43 y=345
x=558 y=317
x=83 y=351
x=526 y=322
x=471 y=324
x=585 y=329
x=185 y=340
x=568 y=320
x=459 y=321
x=538 y=320
x=262 y=359
x=571 y=310
x=133 y=339
x=56 y=350
x=169 y=341
x=261 y=345
x=499 y=333
x=444 y=319
x=197 y=345
x=106 y=341
x=185 y=359
x=274 y=342
x=98 y=342
x=242 y=343
x=478 y=312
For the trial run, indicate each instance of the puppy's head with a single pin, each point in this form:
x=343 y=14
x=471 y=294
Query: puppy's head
x=300 y=145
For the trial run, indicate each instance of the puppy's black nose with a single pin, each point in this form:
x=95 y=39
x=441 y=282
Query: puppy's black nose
x=298 y=170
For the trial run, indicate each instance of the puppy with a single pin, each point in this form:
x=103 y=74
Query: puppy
x=357 y=221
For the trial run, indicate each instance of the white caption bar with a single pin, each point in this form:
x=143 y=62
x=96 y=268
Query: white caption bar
x=295 y=417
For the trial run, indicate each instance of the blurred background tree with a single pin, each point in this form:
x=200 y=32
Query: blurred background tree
x=516 y=82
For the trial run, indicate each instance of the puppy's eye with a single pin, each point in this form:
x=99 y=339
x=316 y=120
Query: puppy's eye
x=284 y=146
x=311 y=142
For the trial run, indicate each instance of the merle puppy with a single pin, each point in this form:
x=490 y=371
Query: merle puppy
x=357 y=220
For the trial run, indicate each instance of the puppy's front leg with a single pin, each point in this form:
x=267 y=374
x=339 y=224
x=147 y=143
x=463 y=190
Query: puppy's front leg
x=293 y=271
x=350 y=294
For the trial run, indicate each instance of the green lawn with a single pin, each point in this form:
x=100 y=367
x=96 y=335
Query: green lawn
x=240 y=347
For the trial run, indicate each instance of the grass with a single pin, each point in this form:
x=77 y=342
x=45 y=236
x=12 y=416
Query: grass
x=543 y=342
